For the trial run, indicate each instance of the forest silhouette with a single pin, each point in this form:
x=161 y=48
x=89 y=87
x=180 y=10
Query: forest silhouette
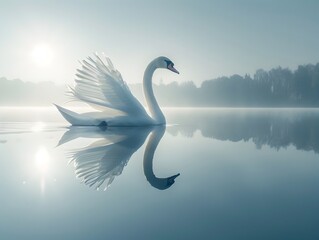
x=278 y=87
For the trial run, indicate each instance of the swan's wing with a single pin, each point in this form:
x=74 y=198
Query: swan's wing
x=100 y=85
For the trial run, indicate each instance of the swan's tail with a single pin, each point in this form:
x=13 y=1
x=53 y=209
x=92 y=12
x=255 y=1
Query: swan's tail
x=75 y=118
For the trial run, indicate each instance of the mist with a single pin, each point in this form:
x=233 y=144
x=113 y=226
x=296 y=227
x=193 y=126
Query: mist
x=278 y=87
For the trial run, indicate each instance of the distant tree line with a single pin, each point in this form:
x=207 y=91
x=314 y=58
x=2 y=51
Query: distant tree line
x=19 y=93
x=279 y=87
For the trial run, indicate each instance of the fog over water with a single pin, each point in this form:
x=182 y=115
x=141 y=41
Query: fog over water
x=223 y=173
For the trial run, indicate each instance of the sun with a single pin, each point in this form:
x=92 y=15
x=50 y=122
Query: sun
x=42 y=54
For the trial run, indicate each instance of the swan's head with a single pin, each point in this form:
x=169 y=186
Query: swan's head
x=164 y=62
x=161 y=183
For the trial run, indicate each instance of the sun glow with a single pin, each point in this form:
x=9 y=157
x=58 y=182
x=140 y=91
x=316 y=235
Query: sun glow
x=42 y=55
x=38 y=127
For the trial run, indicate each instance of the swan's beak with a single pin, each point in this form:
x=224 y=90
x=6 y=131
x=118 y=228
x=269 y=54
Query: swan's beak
x=170 y=67
x=171 y=180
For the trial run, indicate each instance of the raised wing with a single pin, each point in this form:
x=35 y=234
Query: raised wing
x=100 y=85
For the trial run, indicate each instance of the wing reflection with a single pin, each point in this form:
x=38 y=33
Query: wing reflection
x=98 y=164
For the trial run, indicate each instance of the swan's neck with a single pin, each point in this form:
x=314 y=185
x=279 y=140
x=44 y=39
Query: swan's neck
x=152 y=104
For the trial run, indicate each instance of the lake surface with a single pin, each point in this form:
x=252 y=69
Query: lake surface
x=244 y=174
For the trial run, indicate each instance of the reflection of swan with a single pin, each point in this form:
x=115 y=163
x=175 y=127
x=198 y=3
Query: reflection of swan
x=100 y=85
x=160 y=183
x=99 y=163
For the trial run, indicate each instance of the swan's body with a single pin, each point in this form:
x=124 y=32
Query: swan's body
x=101 y=86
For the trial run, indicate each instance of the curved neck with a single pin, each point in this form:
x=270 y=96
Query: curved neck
x=152 y=104
x=153 y=141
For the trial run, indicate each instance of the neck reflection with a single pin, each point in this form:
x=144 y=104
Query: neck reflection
x=154 y=139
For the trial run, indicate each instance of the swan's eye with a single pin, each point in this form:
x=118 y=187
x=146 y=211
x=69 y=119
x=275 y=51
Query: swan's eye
x=169 y=63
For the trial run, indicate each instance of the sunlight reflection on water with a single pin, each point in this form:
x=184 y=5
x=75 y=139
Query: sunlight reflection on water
x=38 y=127
x=42 y=160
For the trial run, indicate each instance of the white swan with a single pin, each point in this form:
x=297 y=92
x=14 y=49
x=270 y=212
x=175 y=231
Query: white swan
x=101 y=86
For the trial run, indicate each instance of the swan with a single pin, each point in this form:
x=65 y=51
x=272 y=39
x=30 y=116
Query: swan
x=101 y=86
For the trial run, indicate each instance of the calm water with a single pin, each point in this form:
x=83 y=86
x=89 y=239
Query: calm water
x=244 y=174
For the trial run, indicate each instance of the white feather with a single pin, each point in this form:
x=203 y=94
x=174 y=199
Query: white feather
x=100 y=85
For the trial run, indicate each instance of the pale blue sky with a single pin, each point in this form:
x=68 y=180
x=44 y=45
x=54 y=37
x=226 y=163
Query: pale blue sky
x=205 y=39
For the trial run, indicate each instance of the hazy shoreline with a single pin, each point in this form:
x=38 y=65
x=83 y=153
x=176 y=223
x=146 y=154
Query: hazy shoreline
x=276 y=88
